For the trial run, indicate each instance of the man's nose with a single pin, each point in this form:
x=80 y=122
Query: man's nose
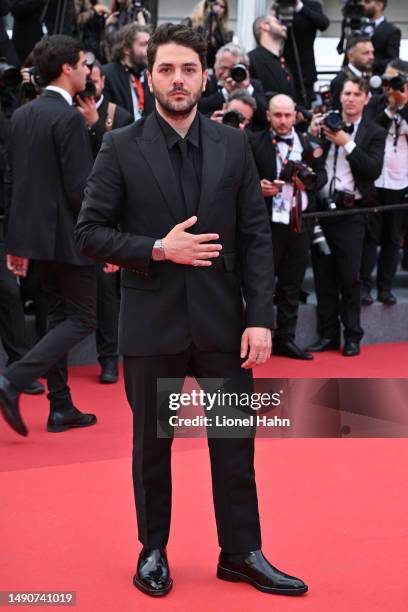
x=178 y=77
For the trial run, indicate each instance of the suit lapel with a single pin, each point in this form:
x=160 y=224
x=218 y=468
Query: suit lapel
x=361 y=132
x=153 y=148
x=214 y=153
x=125 y=87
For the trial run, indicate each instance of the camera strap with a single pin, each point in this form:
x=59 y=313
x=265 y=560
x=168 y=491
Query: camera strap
x=295 y=214
x=332 y=187
x=283 y=161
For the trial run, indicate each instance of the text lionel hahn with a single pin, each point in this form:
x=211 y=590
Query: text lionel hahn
x=223 y=421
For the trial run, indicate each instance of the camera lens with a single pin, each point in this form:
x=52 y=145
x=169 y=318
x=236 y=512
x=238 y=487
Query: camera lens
x=239 y=73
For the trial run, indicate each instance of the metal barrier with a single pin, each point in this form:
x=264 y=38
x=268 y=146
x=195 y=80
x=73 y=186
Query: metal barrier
x=321 y=214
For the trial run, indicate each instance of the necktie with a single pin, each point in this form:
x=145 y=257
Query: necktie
x=138 y=87
x=349 y=128
x=189 y=182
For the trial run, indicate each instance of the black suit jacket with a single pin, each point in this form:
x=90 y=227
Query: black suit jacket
x=213 y=100
x=98 y=130
x=265 y=160
x=386 y=40
x=117 y=88
x=50 y=159
x=366 y=160
x=266 y=67
x=132 y=199
x=306 y=23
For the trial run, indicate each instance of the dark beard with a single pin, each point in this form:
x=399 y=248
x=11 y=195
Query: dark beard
x=174 y=112
x=138 y=63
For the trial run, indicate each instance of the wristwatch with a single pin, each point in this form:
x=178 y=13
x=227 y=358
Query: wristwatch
x=158 y=252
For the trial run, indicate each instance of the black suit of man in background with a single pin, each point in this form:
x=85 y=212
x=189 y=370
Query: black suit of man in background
x=50 y=159
x=306 y=22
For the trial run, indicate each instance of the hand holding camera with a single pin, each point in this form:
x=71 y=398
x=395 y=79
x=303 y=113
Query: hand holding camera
x=271 y=188
x=87 y=108
x=339 y=138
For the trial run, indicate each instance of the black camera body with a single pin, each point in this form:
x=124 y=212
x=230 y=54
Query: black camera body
x=9 y=75
x=333 y=120
x=295 y=169
x=285 y=11
x=89 y=91
x=354 y=15
x=239 y=73
x=396 y=83
x=233 y=118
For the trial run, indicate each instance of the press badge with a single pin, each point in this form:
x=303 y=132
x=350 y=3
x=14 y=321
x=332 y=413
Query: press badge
x=280 y=213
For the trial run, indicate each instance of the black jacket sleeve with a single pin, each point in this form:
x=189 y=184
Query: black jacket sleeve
x=316 y=16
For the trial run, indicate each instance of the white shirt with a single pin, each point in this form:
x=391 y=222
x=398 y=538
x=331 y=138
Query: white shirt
x=63 y=92
x=283 y=202
x=395 y=169
x=344 y=177
x=99 y=102
x=371 y=27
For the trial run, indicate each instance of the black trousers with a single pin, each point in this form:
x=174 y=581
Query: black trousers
x=12 y=323
x=232 y=460
x=337 y=279
x=383 y=229
x=290 y=252
x=108 y=302
x=71 y=293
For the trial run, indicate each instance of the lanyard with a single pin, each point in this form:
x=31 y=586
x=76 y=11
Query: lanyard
x=279 y=155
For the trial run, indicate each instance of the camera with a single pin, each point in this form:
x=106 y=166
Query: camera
x=89 y=91
x=354 y=16
x=319 y=241
x=9 y=75
x=333 y=120
x=285 y=11
x=342 y=200
x=239 y=73
x=233 y=118
x=294 y=169
x=396 y=83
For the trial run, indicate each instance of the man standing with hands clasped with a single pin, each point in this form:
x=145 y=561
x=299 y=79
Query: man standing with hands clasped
x=175 y=201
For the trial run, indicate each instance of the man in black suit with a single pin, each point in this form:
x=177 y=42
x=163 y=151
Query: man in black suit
x=354 y=158
x=385 y=36
x=221 y=85
x=360 y=56
x=126 y=83
x=175 y=200
x=50 y=159
x=102 y=116
x=274 y=150
x=389 y=110
x=308 y=19
x=267 y=62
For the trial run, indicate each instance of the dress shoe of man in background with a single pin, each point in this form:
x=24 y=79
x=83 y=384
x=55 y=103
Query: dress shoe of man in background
x=287 y=348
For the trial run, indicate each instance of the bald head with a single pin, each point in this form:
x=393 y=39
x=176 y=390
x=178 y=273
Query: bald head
x=282 y=114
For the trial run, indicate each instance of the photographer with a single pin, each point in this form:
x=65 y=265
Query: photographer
x=360 y=57
x=391 y=112
x=354 y=153
x=126 y=83
x=385 y=36
x=91 y=16
x=50 y=159
x=308 y=18
x=101 y=117
x=231 y=73
x=123 y=12
x=238 y=112
x=289 y=189
x=266 y=61
x=210 y=18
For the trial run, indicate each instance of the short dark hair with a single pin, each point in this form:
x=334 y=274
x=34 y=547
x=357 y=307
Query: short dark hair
x=52 y=52
x=97 y=64
x=363 y=84
x=399 y=64
x=355 y=40
x=243 y=96
x=180 y=35
x=126 y=37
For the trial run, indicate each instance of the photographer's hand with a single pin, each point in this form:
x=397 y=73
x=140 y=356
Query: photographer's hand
x=269 y=189
x=338 y=138
x=101 y=9
x=17 y=265
x=231 y=85
x=217 y=116
x=88 y=110
x=181 y=247
x=112 y=19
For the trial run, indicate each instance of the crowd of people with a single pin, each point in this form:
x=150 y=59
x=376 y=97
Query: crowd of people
x=316 y=151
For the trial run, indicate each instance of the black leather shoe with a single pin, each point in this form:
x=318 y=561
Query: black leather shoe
x=109 y=372
x=9 y=407
x=386 y=297
x=324 y=344
x=366 y=299
x=61 y=420
x=287 y=348
x=351 y=349
x=255 y=569
x=153 y=574
x=36 y=388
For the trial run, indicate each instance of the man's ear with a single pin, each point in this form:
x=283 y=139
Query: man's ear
x=66 y=69
x=149 y=81
x=205 y=79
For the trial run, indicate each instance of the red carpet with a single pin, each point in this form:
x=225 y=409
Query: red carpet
x=334 y=512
